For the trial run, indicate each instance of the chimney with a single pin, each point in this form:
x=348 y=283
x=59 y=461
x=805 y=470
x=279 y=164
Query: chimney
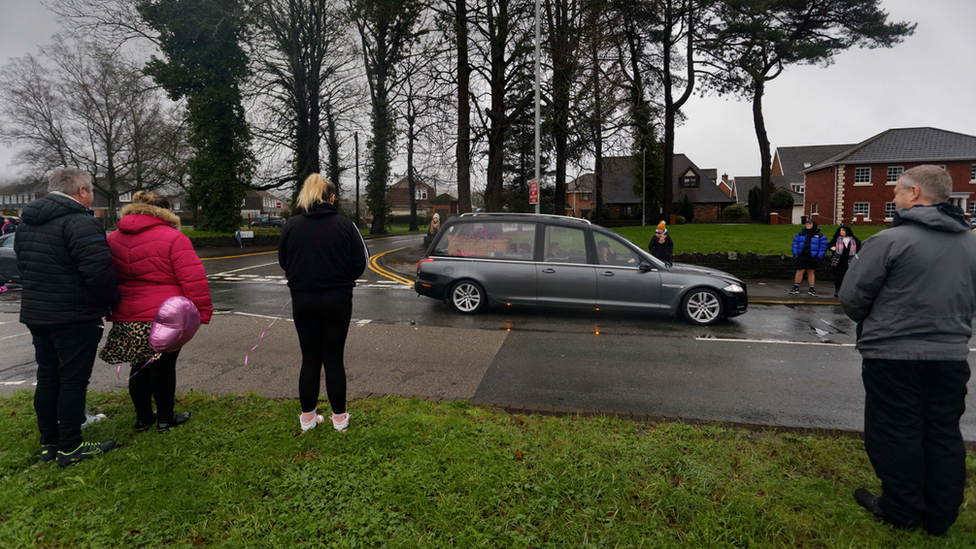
x=725 y=177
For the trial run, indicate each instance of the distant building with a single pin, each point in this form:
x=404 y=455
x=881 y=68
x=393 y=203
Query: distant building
x=857 y=182
x=399 y=193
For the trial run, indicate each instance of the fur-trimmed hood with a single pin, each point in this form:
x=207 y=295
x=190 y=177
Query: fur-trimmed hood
x=139 y=208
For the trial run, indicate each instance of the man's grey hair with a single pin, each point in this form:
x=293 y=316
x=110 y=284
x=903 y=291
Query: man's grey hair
x=934 y=183
x=68 y=180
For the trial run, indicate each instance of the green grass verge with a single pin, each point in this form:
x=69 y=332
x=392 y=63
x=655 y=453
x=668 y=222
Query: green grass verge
x=761 y=239
x=395 y=229
x=423 y=474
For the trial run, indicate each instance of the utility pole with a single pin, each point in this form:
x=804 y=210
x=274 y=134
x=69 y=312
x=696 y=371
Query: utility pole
x=538 y=131
x=356 y=135
x=644 y=186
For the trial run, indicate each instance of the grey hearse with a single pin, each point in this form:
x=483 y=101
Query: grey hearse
x=503 y=259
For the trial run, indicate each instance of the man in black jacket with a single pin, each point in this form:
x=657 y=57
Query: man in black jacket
x=68 y=286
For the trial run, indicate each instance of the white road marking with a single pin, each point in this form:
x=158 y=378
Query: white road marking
x=13 y=336
x=262 y=316
x=363 y=322
x=244 y=269
x=772 y=341
x=13 y=382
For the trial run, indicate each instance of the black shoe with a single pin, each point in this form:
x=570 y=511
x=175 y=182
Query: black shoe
x=144 y=426
x=84 y=451
x=835 y=293
x=795 y=290
x=870 y=502
x=178 y=419
x=49 y=452
x=812 y=291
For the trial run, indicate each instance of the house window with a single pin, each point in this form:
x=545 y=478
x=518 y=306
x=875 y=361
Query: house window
x=797 y=188
x=176 y=206
x=894 y=172
x=585 y=197
x=125 y=197
x=862 y=208
x=889 y=211
x=972 y=208
x=972 y=173
x=813 y=208
x=689 y=180
x=862 y=176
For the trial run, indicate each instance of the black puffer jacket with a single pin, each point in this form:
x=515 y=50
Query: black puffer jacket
x=321 y=250
x=65 y=263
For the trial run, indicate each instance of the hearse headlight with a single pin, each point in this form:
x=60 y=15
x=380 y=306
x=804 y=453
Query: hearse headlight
x=733 y=288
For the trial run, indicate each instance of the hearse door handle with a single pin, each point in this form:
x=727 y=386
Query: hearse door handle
x=607 y=273
x=549 y=270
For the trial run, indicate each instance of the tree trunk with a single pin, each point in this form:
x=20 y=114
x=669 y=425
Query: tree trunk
x=597 y=125
x=765 y=172
x=411 y=183
x=464 y=111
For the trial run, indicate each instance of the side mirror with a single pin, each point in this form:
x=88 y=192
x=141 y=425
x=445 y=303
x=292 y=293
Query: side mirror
x=645 y=267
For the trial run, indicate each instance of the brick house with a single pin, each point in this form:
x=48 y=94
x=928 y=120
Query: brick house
x=860 y=178
x=619 y=197
x=399 y=194
x=262 y=203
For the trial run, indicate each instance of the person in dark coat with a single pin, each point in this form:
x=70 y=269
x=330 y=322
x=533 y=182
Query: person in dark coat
x=9 y=226
x=661 y=245
x=809 y=245
x=912 y=290
x=322 y=253
x=69 y=285
x=844 y=246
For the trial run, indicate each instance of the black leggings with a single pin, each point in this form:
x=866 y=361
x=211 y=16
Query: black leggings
x=322 y=321
x=157 y=380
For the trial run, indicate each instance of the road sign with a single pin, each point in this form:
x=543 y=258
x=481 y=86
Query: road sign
x=277 y=204
x=533 y=191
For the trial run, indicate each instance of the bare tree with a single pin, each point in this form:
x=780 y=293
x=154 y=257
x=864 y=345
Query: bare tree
x=503 y=42
x=86 y=106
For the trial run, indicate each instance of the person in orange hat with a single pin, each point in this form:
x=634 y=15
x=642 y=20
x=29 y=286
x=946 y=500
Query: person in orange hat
x=661 y=245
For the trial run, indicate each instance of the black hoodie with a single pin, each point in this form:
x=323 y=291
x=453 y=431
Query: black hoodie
x=322 y=250
x=65 y=263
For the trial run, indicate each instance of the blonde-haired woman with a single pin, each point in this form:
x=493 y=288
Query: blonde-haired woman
x=322 y=254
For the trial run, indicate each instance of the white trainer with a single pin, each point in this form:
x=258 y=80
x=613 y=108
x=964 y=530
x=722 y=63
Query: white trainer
x=340 y=421
x=310 y=420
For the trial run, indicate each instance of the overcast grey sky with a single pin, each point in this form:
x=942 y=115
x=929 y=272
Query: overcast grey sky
x=928 y=80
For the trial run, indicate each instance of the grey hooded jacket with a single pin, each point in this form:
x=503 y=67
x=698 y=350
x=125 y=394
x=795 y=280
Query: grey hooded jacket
x=912 y=287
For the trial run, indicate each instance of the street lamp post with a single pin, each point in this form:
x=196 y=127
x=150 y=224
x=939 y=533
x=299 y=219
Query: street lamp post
x=644 y=186
x=538 y=38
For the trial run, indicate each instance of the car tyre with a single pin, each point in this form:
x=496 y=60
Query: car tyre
x=467 y=297
x=703 y=306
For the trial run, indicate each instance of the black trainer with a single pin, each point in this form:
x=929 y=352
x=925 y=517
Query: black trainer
x=144 y=426
x=812 y=291
x=795 y=290
x=178 y=419
x=869 y=501
x=49 y=452
x=85 y=450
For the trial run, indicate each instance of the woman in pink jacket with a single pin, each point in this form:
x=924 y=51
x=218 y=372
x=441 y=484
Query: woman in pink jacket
x=153 y=261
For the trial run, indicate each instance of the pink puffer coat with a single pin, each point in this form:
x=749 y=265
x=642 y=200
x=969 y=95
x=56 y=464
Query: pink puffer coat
x=153 y=261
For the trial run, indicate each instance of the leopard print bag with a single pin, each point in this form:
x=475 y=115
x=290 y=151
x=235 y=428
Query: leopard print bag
x=128 y=342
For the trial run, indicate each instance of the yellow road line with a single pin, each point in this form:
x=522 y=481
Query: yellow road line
x=796 y=302
x=375 y=267
x=242 y=255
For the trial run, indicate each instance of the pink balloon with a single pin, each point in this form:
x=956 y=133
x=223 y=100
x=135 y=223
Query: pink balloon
x=177 y=320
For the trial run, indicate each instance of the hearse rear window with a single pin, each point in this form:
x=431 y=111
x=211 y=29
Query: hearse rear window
x=487 y=240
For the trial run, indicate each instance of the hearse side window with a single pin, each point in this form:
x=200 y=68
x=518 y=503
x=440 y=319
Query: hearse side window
x=565 y=245
x=614 y=253
x=487 y=240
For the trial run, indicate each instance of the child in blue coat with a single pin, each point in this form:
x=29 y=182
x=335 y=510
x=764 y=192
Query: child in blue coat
x=809 y=245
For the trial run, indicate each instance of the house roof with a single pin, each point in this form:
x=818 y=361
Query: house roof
x=793 y=160
x=20 y=188
x=403 y=183
x=707 y=192
x=745 y=183
x=262 y=194
x=618 y=182
x=906 y=145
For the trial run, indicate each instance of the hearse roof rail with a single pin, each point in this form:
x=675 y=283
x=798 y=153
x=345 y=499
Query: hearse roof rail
x=519 y=214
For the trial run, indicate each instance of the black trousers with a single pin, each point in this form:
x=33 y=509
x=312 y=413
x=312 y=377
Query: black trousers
x=322 y=321
x=911 y=427
x=839 y=272
x=157 y=380
x=65 y=354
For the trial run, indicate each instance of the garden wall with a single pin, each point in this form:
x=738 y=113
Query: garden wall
x=750 y=265
x=230 y=241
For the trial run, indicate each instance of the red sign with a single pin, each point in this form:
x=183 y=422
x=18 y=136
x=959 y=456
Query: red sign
x=533 y=191
x=277 y=204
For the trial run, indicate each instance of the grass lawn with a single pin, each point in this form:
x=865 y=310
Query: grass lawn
x=424 y=474
x=761 y=239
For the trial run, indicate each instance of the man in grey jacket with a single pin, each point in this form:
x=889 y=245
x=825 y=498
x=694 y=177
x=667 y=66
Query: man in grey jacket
x=912 y=291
